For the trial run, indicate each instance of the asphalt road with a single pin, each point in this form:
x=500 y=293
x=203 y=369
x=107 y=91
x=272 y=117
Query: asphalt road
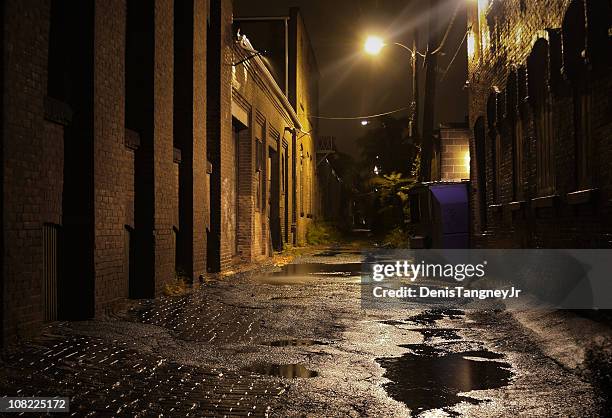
x=295 y=341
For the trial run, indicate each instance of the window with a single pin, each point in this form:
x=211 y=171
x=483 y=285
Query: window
x=540 y=100
x=259 y=172
x=584 y=44
x=259 y=165
x=495 y=146
x=515 y=124
x=481 y=171
x=301 y=180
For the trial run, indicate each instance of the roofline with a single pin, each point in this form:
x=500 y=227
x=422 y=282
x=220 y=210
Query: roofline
x=245 y=45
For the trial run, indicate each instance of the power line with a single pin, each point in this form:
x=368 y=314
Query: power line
x=454 y=56
x=401 y=109
x=448 y=29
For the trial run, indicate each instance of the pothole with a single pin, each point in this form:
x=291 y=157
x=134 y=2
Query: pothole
x=429 y=317
x=299 y=274
x=294 y=342
x=429 y=378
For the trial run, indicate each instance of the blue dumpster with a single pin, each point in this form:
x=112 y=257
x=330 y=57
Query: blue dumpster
x=439 y=215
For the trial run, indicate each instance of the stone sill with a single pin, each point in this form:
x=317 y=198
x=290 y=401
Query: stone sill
x=57 y=111
x=544 y=201
x=177 y=156
x=581 y=196
x=516 y=205
x=132 y=139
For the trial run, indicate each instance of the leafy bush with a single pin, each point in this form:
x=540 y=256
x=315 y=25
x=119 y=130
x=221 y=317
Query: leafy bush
x=178 y=286
x=319 y=233
x=396 y=238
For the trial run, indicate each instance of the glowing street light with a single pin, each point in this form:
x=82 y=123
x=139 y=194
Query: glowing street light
x=365 y=122
x=373 y=45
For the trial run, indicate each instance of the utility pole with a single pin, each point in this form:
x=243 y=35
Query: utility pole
x=414 y=109
x=431 y=62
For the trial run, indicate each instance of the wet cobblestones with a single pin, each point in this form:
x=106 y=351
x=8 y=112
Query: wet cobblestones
x=302 y=345
x=199 y=317
x=112 y=378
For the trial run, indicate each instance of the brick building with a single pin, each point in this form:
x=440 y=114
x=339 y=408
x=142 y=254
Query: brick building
x=540 y=105
x=451 y=154
x=266 y=148
x=119 y=165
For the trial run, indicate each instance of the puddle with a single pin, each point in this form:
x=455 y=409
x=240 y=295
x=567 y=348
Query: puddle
x=295 y=342
x=290 y=371
x=429 y=378
x=429 y=317
x=308 y=272
x=441 y=333
x=327 y=254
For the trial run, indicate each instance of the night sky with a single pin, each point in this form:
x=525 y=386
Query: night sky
x=354 y=83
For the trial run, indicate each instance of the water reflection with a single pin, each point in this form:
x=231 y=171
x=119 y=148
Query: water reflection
x=304 y=273
x=428 y=378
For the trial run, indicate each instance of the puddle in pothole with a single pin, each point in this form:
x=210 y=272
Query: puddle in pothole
x=429 y=378
x=294 y=342
x=441 y=333
x=309 y=272
x=429 y=317
x=289 y=371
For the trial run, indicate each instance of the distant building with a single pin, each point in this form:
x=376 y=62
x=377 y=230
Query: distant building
x=540 y=104
x=142 y=140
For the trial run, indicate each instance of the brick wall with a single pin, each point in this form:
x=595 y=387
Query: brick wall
x=110 y=154
x=454 y=154
x=26 y=27
x=190 y=132
x=163 y=142
x=68 y=159
x=304 y=95
x=561 y=219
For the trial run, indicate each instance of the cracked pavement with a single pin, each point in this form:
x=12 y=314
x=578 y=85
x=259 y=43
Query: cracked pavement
x=295 y=342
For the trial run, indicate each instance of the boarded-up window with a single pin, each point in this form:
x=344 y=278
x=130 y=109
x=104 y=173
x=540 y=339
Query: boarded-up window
x=540 y=100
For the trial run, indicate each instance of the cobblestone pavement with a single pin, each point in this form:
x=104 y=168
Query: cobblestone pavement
x=293 y=342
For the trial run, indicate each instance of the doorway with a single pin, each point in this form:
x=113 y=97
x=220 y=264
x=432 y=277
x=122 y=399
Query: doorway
x=274 y=199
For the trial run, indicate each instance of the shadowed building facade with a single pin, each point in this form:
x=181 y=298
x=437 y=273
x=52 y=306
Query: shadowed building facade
x=119 y=164
x=541 y=115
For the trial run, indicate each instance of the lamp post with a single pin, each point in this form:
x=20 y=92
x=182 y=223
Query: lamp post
x=373 y=45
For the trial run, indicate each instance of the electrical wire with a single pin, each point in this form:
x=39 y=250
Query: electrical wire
x=448 y=29
x=454 y=56
x=401 y=109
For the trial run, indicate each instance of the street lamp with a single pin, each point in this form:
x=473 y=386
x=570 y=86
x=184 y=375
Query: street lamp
x=373 y=45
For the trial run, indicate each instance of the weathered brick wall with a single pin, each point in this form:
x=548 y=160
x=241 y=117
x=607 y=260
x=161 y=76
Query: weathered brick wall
x=113 y=166
x=32 y=169
x=163 y=142
x=199 y=186
x=561 y=223
x=254 y=95
x=454 y=154
x=304 y=92
x=219 y=132
x=101 y=186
